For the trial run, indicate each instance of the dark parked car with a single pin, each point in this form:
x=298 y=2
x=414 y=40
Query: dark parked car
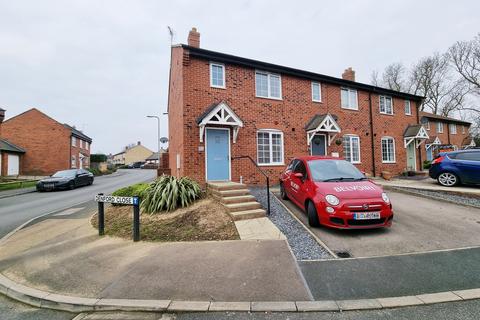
x=66 y=179
x=452 y=168
x=136 y=165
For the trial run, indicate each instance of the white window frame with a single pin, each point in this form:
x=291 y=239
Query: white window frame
x=73 y=162
x=394 y=150
x=350 y=136
x=269 y=75
x=270 y=132
x=319 y=91
x=211 y=74
x=427 y=124
x=74 y=141
x=380 y=105
x=452 y=126
x=439 y=127
x=407 y=102
x=349 y=102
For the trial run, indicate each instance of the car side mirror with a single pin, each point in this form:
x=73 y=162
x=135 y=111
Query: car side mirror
x=298 y=175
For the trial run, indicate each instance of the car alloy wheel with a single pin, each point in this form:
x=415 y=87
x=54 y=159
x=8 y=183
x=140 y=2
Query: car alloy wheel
x=283 y=194
x=313 y=220
x=447 y=179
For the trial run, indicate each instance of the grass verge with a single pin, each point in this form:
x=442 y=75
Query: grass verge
x=17 y=185
x=202 y=221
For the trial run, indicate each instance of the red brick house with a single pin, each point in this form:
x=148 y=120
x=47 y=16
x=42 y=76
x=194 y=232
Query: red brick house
x=445 y=134
x=222 y=106
x=48 y=145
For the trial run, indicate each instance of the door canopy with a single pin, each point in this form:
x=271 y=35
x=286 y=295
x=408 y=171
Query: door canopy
x=434 y=141
x=322 y=123
x=219 y=114
x=415 y=134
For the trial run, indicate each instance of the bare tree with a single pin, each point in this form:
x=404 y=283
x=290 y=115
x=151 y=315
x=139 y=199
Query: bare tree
x=465 y=57
x=393 y=77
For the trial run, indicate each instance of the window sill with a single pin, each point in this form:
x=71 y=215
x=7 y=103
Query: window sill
x=217 y=87
x=351 y=109
x=387 y=114
x=317 y=101
x=269 y=98
x=389 y=162
x=271 y=164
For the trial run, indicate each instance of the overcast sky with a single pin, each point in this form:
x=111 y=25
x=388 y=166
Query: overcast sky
x=103 y=65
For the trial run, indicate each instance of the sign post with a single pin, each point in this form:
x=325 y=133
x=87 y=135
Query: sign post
x=133 y=201
x=101 y=218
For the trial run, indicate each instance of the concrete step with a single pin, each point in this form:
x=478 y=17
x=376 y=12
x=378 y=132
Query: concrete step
x=247 y=214
x=237 y=199
x=221 y=186
x=234 y=207
x=230 y=193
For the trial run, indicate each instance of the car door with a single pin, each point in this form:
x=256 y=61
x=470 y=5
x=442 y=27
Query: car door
x=298 y=184
x=83 y=177
x=287 y=177
x=468 y=164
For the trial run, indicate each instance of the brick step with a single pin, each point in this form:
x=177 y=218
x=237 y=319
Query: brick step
x=222 y=186
x=230 y=193
x=247 y=214
x=234 y=207
x=237 y=199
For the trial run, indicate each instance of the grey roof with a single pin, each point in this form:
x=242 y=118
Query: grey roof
x=154 y=156
x=429 y=115
x=316 y=120
x=207 y=111
x=77 y=133
x=6 y=145
x=412 y=130
x=431 y=140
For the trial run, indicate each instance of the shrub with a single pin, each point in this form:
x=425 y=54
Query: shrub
x=427 y=164
x=133 y=190
x=168 y=193
x=98 y=157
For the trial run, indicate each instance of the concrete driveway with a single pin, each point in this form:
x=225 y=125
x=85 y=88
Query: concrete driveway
x=419 y=225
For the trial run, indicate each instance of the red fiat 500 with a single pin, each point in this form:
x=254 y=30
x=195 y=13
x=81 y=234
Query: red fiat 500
x=334 y=193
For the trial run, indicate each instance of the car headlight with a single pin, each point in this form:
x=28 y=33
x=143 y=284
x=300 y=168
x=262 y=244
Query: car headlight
x=385 y=197
x=331 y=199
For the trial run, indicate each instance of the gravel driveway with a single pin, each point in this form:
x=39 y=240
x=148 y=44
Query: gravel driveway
x=303 y=245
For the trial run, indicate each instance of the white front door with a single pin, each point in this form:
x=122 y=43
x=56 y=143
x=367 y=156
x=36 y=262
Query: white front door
x=13 y=165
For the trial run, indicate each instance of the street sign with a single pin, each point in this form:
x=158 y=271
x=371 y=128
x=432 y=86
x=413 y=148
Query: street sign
x=117 y=200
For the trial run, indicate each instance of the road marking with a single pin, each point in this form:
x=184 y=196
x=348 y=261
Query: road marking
x=68 y=212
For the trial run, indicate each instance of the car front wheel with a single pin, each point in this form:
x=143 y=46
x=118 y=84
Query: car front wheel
x=313 y=220
x=448 y=179
x=283 y=193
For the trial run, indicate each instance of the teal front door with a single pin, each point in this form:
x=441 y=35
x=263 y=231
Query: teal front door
x=218 y=154
x=411 y=162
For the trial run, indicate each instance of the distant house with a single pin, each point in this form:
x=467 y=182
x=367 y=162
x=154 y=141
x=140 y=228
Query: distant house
x=48 y=145
x=131 y=154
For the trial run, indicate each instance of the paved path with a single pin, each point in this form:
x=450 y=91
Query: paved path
x=16 y=192
x=64 y=254
x=420 y=224
x=16 y=210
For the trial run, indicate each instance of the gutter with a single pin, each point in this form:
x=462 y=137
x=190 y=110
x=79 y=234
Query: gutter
x=372 y=138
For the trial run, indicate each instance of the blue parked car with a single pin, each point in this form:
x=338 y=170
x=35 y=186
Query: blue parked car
x=452 y=168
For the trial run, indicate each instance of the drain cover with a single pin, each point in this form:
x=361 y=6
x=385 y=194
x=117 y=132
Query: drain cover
x=343 y=254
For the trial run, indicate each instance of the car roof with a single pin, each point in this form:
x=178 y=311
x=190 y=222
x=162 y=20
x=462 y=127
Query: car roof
x=461 y=151
x=308 y=158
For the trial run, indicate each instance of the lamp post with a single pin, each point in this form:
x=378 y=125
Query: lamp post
x=158 y=139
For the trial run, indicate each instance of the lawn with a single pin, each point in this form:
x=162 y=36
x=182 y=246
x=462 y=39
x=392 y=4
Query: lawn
x=204 y=220
x=16 y=185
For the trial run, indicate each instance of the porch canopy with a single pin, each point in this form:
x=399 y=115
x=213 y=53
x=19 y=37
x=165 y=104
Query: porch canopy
x=433 y=141
x=468 y=142
x=324 y=124
x=415 y=134
x=219 y=114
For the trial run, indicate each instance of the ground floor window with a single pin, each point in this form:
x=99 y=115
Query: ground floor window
x=351 y=148
x=74 y=162
x=270 y=147
x=388 y=150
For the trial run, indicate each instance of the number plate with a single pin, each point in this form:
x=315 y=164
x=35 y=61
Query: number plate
x=48 y=185
x=366 y=215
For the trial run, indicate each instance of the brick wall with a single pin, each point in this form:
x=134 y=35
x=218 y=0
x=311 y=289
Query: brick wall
x=289 y=115
x=47 y=142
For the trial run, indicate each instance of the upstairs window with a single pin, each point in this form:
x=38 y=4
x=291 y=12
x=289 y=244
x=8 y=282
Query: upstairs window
x=351 y=148
x=269 y=147
x=268 y=85
x=316 y=92
x=74 y=162
x=439 y=127
x=426 y=122
x=388 y=150
x=349 y=99
x=386 y=106
x=408 y=108
x=217 y=75
x=74 y=141
x=453 y=128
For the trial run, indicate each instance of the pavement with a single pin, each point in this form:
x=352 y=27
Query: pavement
x=16 y=210
x=419 y=225
x=429 y=184
x=16 y=192
x=65 y=255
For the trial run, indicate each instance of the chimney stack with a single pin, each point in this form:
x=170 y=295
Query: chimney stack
x=348 y=74
x=2 y=117
x=194 y=38
x=138 y=143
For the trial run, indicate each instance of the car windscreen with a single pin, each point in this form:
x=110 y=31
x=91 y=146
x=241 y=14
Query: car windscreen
x=334 y=170
x=65 y=174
